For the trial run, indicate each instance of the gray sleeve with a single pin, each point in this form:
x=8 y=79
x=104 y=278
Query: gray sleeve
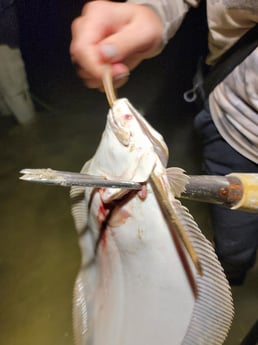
x=171 y=12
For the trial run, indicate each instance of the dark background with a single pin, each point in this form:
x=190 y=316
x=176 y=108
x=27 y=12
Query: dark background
x=45 y=38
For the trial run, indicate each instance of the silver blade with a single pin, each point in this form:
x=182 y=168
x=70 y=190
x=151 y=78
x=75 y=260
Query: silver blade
x=67 y=179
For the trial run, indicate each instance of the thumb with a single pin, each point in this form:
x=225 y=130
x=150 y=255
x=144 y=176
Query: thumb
x=132 y=43
x=141 y=33
x=110 y=54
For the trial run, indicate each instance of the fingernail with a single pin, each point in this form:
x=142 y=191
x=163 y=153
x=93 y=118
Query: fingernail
x=109 y=51
x=121 y=76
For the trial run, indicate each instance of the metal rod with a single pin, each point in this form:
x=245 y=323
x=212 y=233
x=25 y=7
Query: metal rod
x=238 y=191
x=214 y=189
x=67 y=179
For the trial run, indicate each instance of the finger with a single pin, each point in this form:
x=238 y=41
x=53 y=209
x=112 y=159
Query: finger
x=89 y=30
x=92 y=83
x=120 y=75
x=126 y=42
x=117 y=83
x=85 y=59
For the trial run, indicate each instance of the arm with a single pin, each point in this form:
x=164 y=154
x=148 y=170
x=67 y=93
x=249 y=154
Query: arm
x=171 y=12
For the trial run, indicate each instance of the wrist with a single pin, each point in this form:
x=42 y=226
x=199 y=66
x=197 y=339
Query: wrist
x=156 y=8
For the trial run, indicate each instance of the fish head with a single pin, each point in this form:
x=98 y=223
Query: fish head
x=131 y=145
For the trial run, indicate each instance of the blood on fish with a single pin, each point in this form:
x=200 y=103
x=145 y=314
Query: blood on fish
x=128 y=116
x=142 y=194
x=119 y=216
x=102 y=212
x=117 y=296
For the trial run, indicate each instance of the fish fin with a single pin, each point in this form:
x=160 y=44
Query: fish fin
x=79 y=205
x=80 y=312
x=213 y=311
x=79 y=208
x=177 y=180
x=167 y=203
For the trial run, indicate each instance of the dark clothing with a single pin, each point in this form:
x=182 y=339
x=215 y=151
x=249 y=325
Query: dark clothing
x=235 y=232
x=9 y=30
x=4 y=4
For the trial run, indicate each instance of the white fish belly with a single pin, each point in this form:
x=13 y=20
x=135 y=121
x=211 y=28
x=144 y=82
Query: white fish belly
x=133 y=287
x=139 y=291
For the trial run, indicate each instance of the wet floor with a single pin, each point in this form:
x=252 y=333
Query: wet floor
x=39 y=254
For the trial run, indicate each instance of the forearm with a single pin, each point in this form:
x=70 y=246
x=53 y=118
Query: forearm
x=171 y=12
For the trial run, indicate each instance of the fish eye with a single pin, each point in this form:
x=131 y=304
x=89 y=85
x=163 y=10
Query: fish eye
x=119 y=124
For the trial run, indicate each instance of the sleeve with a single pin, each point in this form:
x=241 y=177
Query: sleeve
x=171 y=12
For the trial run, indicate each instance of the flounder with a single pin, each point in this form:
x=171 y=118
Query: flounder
x=148 y=275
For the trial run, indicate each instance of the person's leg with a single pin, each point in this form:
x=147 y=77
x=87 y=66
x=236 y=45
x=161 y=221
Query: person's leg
x=15 y=97
x=235 y=232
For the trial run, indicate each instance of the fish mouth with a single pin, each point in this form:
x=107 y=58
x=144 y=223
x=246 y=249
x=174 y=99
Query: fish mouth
x=120 y=128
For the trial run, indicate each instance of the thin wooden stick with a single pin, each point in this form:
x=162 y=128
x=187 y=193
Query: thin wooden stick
x=109 y=86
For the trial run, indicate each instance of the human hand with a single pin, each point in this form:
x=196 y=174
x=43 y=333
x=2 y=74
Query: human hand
x=119 y=34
